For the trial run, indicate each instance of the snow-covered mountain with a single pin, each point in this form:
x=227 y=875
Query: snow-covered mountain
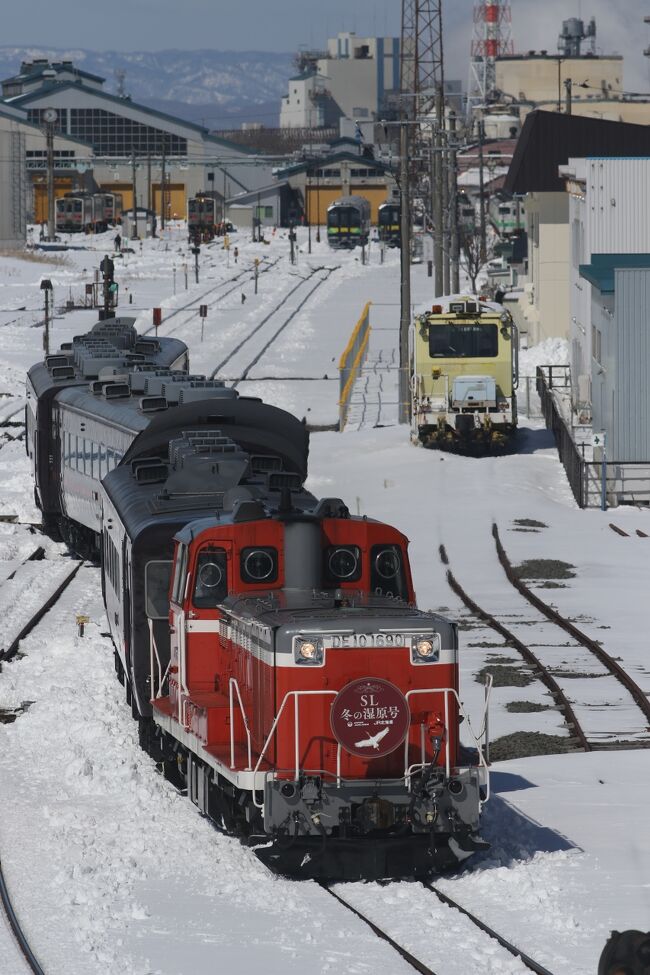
x=222 y=88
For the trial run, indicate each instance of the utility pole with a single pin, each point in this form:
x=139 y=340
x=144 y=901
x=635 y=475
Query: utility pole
x=50 y=117
x=405 y=282
x=163 y=180
x=437 y=214
x=567 y=85
x=149 y=207
x=481 y=136
x=134 y=231
x=454 y=243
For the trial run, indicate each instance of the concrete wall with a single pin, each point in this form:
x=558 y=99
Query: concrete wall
x=539 y=79
x=546 y=300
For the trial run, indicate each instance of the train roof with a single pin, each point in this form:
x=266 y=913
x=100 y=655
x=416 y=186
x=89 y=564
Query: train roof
x=201 y=477
x=347 y=201
x=112 y=347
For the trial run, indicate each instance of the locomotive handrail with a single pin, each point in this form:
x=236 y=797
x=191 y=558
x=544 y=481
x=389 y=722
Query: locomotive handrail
x=409 y=769
x=153 y=650
x=233 y=685
x=296 y=695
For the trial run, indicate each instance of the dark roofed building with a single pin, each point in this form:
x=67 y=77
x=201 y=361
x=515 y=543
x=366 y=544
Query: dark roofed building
x=549 y=139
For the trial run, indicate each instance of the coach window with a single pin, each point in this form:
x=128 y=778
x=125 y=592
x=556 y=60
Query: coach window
x=157 y=576
x=94 y=460
x=102 y=461
x=211 y=578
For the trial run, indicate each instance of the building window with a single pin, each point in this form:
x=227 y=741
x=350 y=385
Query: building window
x=113 y=135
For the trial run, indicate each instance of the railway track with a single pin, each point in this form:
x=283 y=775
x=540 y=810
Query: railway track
x=248 y=273
x=418 y=964
x=556 y=664
x=19 y=936
x=22 y=628
x=21 y=940
x=242 y=371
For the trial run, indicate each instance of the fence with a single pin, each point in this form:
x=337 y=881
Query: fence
x=352 y=361
x=592 y=482
x=558 y=377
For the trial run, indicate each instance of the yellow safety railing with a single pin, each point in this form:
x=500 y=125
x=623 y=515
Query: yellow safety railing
x=351 y=362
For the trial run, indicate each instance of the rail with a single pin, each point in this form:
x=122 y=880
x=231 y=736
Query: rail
x=351 y=362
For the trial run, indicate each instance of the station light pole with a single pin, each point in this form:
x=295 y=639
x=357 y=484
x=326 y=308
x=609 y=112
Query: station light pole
x=46 y=288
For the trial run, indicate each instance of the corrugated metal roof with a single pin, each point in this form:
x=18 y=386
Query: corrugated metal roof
x=601 y=271
x=550 y=139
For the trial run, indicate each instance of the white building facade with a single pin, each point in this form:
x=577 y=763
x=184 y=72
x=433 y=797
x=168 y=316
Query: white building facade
x=609 y=213
x=352 y=79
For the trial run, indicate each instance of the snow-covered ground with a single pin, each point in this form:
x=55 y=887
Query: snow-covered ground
x=111 y=871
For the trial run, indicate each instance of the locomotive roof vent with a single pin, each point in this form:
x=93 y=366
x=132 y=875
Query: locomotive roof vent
x=151 y=473
x=248 y=510
x=331 y=508
x=279 y=480
x=142 y=373
x=62 y=372
x=264 y=463
x=56 y=360
x=116 y=390
x=200 y=391
x=163 y=380
x=152 y=404
x=147 y=346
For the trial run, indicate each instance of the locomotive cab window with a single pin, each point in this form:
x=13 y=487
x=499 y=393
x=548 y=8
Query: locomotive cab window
x=258 y=566
x=157 y=576
x=342 y=564
x=387 y=576
x=477 y=340
x=210 y=578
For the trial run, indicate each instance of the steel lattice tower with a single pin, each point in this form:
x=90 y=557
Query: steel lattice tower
x=491 y=39
x=421 y=62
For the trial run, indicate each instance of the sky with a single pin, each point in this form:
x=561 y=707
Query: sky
x=285 y=25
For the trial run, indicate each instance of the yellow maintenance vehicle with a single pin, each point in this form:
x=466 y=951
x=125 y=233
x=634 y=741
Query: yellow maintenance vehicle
x=464 y=375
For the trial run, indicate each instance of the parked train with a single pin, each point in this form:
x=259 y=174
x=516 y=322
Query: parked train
x=85 y=212
x=348 y=222
x=388 y=219
x=201 y=218
x=301 y=698
x=506 y=214
x=464 y=375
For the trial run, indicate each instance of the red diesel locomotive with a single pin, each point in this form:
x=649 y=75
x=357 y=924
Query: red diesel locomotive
x=311 y=707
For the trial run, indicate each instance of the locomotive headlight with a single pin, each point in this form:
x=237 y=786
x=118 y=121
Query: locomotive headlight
x=308 y=651
x=425 y=649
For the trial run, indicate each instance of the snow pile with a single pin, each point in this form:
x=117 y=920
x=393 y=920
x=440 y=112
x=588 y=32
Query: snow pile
x=550 y=352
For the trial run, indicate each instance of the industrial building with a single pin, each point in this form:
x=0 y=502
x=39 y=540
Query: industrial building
x=184 y=154
x=619 y=286
x=340 y=170
x=23 y=194
x=547 y=141
x=354 y=78
x=609 y=211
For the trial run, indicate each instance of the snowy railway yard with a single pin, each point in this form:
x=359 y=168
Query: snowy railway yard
x=110 y=870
